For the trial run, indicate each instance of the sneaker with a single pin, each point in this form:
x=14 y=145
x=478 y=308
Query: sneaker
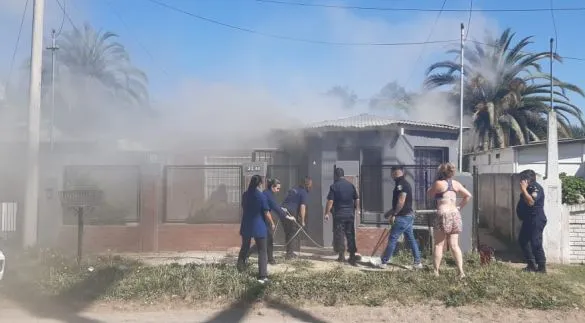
x=375 y=262
x=418 y=266
x=263 y=281
x=382 y=266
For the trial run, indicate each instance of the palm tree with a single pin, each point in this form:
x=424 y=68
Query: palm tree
x=96 y=56
x=506 y=91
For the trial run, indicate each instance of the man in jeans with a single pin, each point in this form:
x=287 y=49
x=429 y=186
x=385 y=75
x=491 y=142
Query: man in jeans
x=402 y=219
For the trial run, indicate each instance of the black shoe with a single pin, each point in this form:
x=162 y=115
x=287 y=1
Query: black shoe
x=529 y=269
x=352 y=260
x=541 y=269
x=241 y=267
x=272 y=262
x=341 y=258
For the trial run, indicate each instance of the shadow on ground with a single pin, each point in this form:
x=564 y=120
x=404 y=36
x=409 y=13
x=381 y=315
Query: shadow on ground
x=66 y=306
x=239 y=310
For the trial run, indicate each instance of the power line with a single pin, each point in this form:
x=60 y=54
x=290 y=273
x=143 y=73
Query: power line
x=282 y=37
x=17 y=42
x=552 y=14
x=144 y=48
x=428 y=38
x=65 y=14
x=62 y=19
x=305 y=4
x=469 y=19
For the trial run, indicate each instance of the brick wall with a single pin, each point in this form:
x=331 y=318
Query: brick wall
x=577 y=233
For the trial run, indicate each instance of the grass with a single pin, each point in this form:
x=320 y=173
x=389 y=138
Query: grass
x=114 y=278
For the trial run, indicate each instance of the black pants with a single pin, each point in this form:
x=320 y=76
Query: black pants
x=344 y=228
x=530 y=240
x=270 y=243
x=262 y=256
x=290 y=229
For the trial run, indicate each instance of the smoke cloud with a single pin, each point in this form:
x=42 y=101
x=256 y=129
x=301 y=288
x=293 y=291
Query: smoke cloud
x=261 y=91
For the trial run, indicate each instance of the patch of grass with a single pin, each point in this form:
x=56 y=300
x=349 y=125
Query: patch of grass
x=114 y=278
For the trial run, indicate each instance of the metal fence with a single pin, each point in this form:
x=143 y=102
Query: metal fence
x=121 y=189
x=202 y=194
x=377 y=185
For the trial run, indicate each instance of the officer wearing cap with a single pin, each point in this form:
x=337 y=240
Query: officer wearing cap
x=530 y=210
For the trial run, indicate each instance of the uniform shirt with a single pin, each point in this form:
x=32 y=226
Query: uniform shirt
x=343 y=194
x=254 y=205
x=274 y=207
x=525 y=211
x=402 y=186
x=295 y=197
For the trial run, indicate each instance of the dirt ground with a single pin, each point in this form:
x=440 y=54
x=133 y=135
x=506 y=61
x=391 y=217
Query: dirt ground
x=275 y=314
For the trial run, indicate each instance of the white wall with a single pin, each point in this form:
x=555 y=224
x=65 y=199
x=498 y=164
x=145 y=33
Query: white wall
x=517 y=159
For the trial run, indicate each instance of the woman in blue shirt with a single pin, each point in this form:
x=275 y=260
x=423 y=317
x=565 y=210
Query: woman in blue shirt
x=255 y=212
x=273 y=186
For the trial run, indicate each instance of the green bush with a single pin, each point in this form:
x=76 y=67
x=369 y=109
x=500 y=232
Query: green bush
x=573 y=188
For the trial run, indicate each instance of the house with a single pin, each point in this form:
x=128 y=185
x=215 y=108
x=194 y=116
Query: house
x=366 y=146
x=166 y=201
x=531 y=156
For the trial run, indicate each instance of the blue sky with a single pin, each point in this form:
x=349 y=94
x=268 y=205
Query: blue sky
x=185 y=50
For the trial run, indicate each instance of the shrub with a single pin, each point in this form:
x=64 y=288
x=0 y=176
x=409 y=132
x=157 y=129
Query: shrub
x=573 y=189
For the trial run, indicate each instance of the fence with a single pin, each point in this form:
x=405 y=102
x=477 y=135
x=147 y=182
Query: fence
x=376 y=188
x=497 y=196
x=202 y=194
x=121 y=188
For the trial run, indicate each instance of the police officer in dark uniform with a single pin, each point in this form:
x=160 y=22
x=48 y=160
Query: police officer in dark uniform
x=530 y=210
x=343 y=199
x=296 y=204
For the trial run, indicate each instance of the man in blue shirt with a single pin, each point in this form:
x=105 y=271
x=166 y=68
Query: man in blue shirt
x=530 y=210
x=344 y=200
x=296 y=204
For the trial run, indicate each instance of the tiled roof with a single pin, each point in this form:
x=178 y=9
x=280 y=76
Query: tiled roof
x=364 y=121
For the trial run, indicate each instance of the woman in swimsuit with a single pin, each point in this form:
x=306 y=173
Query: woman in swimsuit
x=448 y=221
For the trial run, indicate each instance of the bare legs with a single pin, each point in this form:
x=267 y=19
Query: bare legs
x=453 y=240
x=438 y=250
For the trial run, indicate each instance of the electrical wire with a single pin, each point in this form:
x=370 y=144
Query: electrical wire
x=282 y=37
x=62 y=19
x=469 y=19
x=428 y=38
x=305 y=4
x=12 y=60
x=65 y=14
x=144 y=48
x=552 y=14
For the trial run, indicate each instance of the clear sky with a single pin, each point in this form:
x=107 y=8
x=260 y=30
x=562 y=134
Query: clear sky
x=177 y=49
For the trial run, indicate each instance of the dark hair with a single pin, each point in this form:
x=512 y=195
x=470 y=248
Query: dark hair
x=396 y=167
x=271 y=182
x=528 y=175
x=339 y=172
x=255 y=181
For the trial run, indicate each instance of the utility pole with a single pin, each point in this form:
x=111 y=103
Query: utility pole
x=461 y=76
x=552 y=163
x=31 y=202
x=53 y=48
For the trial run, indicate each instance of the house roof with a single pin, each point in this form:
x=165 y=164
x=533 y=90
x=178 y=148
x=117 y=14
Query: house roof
x=369 y=121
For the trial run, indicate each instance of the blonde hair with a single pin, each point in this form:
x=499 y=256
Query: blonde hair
x=445 y=171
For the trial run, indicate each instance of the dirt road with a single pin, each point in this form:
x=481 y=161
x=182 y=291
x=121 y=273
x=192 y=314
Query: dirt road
x=261 y=314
